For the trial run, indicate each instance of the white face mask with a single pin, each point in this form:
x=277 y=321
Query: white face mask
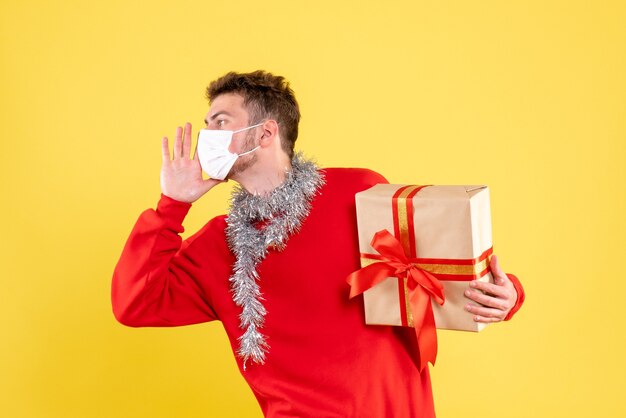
x=215 y=158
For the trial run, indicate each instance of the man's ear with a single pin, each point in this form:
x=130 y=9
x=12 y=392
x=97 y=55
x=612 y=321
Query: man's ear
x=270 y=133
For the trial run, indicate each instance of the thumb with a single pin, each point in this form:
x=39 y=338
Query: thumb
x=208 y=184
x=496 y=271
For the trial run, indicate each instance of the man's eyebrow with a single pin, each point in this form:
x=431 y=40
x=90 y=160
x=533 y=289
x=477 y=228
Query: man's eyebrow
x=221 y=112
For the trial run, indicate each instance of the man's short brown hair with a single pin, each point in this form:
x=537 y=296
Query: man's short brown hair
x=265 y=96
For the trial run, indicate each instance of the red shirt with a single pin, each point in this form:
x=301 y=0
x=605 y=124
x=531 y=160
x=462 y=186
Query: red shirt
x=323 y=360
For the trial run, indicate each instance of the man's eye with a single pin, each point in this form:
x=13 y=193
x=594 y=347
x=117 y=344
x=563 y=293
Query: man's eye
x=220 y=123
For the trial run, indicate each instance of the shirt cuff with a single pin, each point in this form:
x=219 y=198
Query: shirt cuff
x=174 y=211
x=521 y=296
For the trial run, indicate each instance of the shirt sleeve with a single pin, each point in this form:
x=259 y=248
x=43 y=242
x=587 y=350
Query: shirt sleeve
x=521 y=296
x=157 y=281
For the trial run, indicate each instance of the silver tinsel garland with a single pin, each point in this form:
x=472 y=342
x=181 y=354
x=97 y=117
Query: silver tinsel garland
x=280 y=213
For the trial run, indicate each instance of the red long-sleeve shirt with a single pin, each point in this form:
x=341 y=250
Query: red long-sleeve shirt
x=323 y=360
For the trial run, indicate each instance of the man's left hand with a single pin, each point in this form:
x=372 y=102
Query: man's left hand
x=498 y=298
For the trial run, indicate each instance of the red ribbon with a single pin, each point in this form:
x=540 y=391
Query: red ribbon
x=422 y=287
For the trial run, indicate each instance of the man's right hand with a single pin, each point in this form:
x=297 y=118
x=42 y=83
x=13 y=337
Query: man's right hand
x=181 y=175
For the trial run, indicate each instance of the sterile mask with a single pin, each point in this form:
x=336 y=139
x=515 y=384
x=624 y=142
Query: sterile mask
x=215 y=158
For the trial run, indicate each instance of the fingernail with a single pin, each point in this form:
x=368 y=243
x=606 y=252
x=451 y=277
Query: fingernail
x=468 y=307
x=467 y=293
x=473 y=284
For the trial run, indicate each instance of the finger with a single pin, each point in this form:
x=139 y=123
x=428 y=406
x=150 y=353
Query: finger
x=178 y=143
x=195 y=153
x=486 y=320
x=165 y=149
x=491 y=288
x=485 y=313
x=187 y=141
x=488 y=301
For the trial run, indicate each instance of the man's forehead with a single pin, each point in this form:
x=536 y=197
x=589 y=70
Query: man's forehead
x=229 y=103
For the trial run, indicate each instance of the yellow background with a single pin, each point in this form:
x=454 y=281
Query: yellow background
x=527 y=97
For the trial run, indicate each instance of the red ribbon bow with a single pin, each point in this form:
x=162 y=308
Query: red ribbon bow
x=422 y=287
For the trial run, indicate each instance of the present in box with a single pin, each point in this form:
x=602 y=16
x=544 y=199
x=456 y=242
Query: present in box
x=420 y=245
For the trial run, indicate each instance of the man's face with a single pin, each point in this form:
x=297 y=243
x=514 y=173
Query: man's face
x=227 y=112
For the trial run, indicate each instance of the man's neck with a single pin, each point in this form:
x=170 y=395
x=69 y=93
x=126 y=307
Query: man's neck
x=265 y=176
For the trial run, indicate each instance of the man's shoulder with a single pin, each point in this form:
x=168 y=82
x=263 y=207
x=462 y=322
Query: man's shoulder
x=352 y=177
x=341 y=184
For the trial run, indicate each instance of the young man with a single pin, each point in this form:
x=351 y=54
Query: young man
x=274 y=270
